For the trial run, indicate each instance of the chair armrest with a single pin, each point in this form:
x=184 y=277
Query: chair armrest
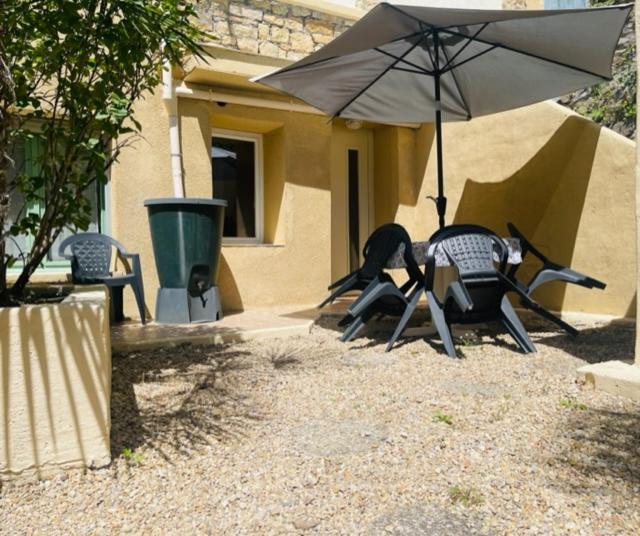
x=457 y=289
x=525 y=244
x=135 y=261
x=514 y=287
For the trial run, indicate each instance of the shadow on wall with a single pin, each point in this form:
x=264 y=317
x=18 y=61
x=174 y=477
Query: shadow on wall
x=425 y=138
x=229 y=292
x=55 y=383
x=544 y=199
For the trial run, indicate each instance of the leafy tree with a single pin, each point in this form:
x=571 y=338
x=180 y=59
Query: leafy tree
x=613 y=104
x=74 y=71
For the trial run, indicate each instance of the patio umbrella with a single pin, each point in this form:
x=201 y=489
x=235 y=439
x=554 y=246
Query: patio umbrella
x=408 y=63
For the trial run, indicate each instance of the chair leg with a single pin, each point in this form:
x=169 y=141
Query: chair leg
x=438 y=318
x=352 y=330
x=408 y=312
x=116 y=303
x=138 y=291
x=514 y=326
x=544 y=313
x=345 y=321
x=373 y=292
x=346 y=286
x=341 y=281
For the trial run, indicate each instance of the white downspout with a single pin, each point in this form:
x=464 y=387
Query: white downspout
x=171 y=102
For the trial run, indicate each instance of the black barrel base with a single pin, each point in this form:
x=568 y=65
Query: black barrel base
x=178 y=306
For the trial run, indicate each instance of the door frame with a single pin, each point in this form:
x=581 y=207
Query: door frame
x=343 y=140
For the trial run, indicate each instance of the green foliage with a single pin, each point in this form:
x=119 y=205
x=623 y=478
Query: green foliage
x=78 y=67
x=465 y=496
x=612 y=104
x=439 y=416
x=568 y=403
x=132 y=457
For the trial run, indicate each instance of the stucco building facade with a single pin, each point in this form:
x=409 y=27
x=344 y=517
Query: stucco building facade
x=543 y=167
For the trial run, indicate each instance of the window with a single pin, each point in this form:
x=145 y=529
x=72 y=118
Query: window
x=564 y=4
x=236 y=164
x=26 y=157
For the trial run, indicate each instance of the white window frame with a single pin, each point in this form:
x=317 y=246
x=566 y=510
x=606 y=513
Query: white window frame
x=256 y=139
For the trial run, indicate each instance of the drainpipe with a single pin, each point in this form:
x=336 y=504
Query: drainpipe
x=171 y=102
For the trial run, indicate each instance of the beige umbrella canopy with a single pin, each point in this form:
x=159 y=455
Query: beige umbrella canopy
x=413 y=64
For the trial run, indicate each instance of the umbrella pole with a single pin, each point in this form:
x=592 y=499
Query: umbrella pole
x=441 y=200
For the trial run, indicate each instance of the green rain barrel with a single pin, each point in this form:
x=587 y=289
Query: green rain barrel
x=186 y=234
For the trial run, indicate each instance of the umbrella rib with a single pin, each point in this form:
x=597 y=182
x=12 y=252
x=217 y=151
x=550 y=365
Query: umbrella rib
x=365 y=88
x=453 y=67
x=524 y=53
x=404 y=69
x=469 y=40
x=402 y=60
x=295 y=67
x=455 y=80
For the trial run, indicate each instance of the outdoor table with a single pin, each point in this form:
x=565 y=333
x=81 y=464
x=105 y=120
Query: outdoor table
x=420 y=254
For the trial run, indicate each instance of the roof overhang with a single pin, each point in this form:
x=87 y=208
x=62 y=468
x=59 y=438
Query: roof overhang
x=229 y=69
x=224 y=75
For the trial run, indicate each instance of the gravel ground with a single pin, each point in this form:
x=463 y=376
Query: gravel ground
x=308 y=435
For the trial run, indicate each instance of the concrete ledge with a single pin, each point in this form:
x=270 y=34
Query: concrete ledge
x=240 y=326
x=179 y=335
x=614 y=377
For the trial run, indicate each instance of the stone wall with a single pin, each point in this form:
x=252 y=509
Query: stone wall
x=365 y=5
x=268 y=27
x=278 y=29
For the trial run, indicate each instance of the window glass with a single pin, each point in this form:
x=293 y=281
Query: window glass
x=25 y=156
x=564 y=4
x=16 y=245
x=233 y=164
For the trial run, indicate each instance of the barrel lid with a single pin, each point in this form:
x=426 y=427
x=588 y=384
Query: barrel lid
x=184 y=201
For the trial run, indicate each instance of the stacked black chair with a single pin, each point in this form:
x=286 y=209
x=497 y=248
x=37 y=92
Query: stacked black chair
x=550 y=271
x=479 y=294
x=378 y=249
x=381 y=296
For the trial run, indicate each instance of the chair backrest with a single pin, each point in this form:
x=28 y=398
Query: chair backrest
x=381 y=246
x=471 y=249
x=90 y=254
x=472 y=253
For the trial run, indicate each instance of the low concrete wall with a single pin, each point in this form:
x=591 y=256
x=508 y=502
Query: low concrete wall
x=55 y=385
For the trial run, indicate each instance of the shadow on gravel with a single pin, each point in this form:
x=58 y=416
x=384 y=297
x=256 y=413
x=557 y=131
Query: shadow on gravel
x=594 y=345
x=177 y=400
x=598 y=446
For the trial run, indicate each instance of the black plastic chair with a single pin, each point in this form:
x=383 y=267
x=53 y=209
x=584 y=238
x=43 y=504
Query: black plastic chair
x=90 y=263
x=550 y=271
x=378 y=249
x=479 y=294
x=382 y=297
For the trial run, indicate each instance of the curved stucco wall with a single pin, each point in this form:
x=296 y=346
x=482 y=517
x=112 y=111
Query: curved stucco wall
x=567 y=183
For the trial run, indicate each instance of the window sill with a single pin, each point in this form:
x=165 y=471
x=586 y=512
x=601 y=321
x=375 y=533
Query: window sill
x=250 y=245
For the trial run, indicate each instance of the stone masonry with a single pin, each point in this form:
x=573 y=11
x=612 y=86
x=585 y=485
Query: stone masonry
x=276 y=28
x=268 y=27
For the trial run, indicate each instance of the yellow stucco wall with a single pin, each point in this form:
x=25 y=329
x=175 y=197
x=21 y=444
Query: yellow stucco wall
x=568 y=185
x=55 y=381
x=293 y=265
